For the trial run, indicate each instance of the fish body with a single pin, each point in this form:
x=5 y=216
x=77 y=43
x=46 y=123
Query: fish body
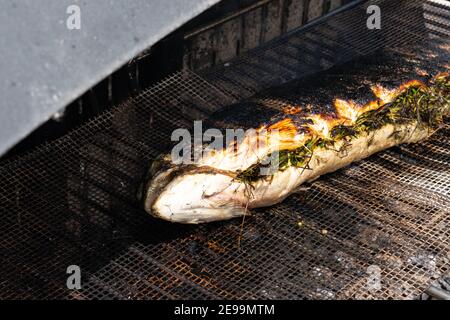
x=311 y=127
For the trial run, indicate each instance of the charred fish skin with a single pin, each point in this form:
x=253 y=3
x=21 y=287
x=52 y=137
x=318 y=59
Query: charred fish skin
x=344 y=128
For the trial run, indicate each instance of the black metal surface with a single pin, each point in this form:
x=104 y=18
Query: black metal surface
x=73 y=202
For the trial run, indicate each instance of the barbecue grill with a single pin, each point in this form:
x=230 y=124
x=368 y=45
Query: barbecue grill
x=378 y=229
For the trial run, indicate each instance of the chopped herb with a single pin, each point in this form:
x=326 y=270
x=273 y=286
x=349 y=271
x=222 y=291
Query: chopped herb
x=427 y=106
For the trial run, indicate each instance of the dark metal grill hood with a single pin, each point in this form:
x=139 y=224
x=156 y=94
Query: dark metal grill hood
x=45 y=66
x=385 y=219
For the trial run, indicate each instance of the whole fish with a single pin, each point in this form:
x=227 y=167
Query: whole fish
x=311 y=127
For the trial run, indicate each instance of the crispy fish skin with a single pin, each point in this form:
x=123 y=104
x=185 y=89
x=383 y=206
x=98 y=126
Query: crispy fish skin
x=195 y=197
x=216 y=188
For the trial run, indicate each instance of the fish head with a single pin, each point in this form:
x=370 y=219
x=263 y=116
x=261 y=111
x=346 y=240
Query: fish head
x=191 y=194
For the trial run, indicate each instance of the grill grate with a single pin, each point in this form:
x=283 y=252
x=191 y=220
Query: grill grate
x=72 y=202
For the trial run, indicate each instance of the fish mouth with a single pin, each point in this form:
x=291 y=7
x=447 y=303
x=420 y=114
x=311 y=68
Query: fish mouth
x=190 y=194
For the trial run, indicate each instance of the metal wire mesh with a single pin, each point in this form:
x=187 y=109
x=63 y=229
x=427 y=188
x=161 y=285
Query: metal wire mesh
x=73 y=201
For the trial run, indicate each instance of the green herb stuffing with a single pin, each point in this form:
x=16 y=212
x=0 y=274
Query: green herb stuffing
x=427 y=106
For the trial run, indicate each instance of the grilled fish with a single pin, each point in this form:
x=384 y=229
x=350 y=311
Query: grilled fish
x=319 y=125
